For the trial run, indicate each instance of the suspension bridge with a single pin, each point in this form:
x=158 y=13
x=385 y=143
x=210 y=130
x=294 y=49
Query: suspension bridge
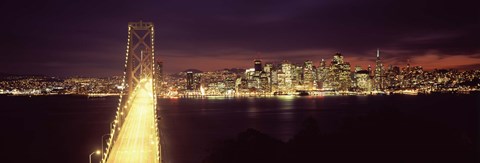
x=134 y=134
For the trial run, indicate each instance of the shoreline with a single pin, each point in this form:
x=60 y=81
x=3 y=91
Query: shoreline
x=261 y=95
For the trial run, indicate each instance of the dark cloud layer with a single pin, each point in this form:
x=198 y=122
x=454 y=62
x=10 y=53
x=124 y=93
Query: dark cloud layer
x=88 y=37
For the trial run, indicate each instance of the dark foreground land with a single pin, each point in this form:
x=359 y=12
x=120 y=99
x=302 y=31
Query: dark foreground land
x=381 y=136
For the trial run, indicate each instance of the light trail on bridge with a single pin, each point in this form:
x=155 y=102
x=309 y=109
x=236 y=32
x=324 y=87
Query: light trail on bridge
x=137 y=140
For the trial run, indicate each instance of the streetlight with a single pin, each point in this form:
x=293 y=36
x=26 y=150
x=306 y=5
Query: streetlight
x=90 y=156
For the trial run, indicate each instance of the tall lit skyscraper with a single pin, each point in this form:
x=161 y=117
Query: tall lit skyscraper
x=338 y=76
x=189 y=80
x=308 y=75
x=322 y=72
x=285 y=77
x=379 y=73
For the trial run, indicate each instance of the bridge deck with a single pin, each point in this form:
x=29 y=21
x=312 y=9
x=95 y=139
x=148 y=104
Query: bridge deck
x=136 y=140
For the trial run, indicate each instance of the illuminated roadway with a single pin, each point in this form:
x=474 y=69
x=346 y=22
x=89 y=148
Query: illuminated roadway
x=136 y=141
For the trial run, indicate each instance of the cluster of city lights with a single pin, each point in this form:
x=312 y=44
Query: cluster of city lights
x=334 y=78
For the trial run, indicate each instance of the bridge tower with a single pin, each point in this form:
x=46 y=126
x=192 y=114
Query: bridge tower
x=139 y=66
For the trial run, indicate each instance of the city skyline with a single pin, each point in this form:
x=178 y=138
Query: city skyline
x=88 y=37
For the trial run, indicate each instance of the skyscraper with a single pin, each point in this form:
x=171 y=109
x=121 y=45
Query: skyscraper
x=285 y=77
x=258 y=65
x=338 y=76
x=362 y=80
x=159 y=76
x=369 y=69
x=308 y=75
x=322 y=72
x=391 y=77
x=379 y=73
x=337 y=59
x=189 y=80
x=268 y=68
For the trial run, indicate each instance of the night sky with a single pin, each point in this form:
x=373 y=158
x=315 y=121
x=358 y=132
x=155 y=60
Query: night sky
x=88 y=37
